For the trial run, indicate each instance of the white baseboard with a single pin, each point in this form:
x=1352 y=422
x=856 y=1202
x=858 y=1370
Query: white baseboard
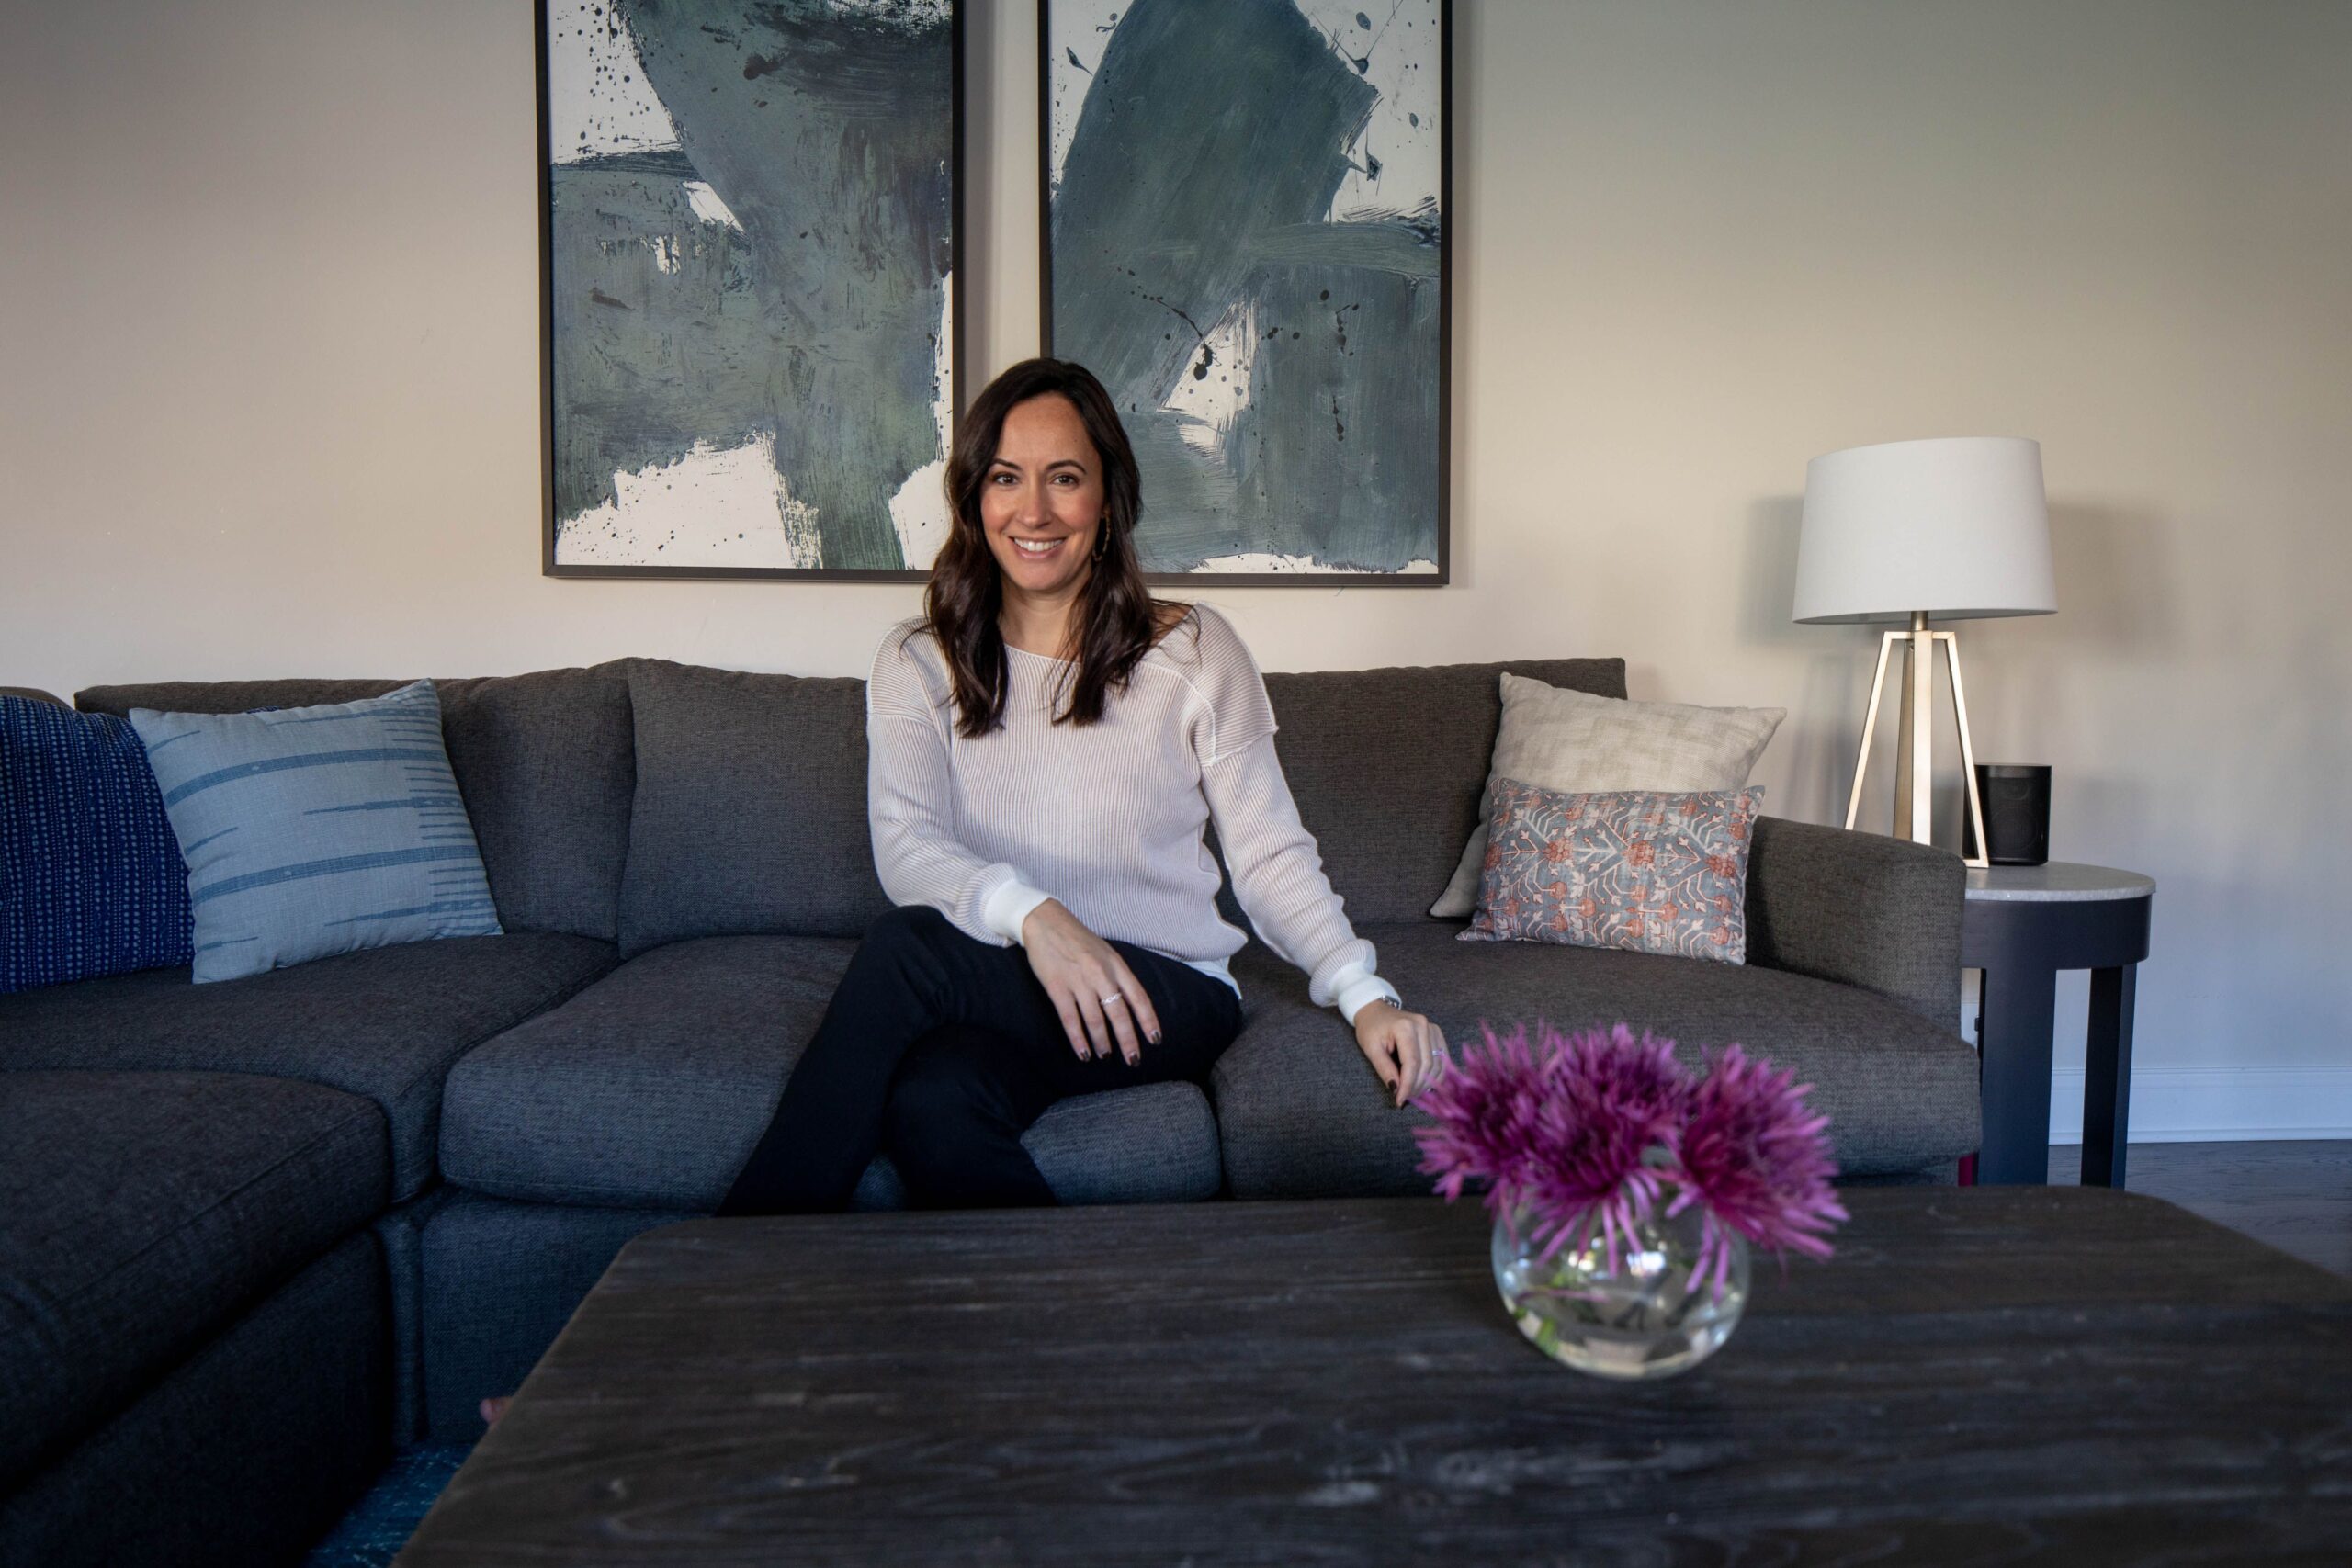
x=2195 y=1105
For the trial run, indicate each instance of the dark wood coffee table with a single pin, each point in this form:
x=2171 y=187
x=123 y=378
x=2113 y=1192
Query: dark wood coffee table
x=2004 y=1375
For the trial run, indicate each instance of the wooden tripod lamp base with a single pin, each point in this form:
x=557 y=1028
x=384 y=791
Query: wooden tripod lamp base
x=1913 y=746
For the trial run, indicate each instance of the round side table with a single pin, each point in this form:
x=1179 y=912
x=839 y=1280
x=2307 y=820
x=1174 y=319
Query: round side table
x=2022 y=925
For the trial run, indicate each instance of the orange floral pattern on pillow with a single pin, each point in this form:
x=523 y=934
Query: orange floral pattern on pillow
x=1647 y=872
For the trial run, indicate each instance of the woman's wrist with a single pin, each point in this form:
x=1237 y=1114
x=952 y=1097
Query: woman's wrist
x=1361 y=994
x=1008 y=908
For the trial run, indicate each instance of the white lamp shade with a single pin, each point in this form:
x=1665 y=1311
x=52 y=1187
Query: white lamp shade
x=1957 y=527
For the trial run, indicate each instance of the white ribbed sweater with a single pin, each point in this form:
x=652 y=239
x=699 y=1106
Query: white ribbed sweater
x=1107 y=818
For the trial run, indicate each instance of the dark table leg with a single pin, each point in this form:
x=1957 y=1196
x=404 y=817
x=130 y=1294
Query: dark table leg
x=2019 y=1008
x=2107 y=1078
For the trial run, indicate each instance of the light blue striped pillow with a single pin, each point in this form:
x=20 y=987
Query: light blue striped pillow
x=310 y=831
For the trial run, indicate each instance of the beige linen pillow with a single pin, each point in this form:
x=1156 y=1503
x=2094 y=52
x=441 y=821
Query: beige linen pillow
x=1571 y=741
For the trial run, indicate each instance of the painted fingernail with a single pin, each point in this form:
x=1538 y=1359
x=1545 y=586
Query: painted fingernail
x=1154 y=1037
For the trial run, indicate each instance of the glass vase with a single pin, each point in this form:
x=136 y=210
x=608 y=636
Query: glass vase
x=1640 y=1318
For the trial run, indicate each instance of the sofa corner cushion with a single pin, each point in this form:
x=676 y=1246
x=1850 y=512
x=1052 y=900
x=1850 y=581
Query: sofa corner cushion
x=1301 y=1115
x=749 y=810
x=650 y=1089
x=542 y=760
x=385 y=1024
x=141 y=1212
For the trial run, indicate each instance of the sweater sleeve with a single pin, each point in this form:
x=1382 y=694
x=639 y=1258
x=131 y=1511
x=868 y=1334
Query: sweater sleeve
x=1277 y=870
x=909 y=806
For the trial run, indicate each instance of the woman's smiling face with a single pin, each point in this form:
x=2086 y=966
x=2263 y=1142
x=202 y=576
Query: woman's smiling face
x=1041 y=501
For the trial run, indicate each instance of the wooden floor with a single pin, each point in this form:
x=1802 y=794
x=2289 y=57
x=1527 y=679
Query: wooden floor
x=2297 y=1197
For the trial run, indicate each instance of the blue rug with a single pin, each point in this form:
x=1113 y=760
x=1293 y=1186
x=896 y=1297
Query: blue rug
x=379 y=1524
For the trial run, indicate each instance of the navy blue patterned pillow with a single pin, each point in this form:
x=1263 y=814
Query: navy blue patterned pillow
x=91 y=879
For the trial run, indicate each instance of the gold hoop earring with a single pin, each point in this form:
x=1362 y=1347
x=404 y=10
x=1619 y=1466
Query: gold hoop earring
x=1103 y=539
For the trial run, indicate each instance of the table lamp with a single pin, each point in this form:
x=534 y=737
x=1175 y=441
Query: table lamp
x=1914 y=531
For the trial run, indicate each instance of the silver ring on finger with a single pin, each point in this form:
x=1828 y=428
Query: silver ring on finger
x=1112 y=997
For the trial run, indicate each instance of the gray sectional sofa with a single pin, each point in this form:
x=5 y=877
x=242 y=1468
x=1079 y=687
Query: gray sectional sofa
x=254 y=1235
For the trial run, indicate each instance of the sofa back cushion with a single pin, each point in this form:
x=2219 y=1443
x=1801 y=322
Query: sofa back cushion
x=751 y=807
x=542 y=760
x=1388 y=765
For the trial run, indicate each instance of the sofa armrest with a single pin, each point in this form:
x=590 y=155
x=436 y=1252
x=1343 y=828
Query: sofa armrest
x=1863 y=909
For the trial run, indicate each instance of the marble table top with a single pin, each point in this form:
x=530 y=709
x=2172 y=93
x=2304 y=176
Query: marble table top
x=2059 y=882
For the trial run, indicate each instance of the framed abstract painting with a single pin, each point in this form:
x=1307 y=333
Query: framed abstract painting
x=1245 y=216
x=751 y=230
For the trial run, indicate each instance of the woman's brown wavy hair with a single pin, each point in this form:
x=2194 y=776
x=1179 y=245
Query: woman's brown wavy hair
x=1117 y=617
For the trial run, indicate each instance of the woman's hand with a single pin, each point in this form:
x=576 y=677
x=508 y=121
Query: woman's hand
x=1405 y=1048
x=1102 y=1003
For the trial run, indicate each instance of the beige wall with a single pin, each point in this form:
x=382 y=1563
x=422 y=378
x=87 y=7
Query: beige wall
x=271 y=398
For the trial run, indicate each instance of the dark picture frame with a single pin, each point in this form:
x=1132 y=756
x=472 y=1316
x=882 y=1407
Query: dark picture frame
x=832 y=449
x=1137 y=309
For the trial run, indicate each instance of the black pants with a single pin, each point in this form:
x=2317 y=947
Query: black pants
x=943 y=1050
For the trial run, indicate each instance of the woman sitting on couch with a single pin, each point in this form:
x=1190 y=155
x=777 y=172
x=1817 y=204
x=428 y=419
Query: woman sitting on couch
x=1047 y=743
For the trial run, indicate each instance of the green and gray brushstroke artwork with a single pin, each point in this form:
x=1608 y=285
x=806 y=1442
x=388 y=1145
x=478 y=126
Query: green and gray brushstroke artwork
x=808 y=312
x=1194 y=239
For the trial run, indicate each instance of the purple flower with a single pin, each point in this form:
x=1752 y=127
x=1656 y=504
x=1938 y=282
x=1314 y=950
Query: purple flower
x=1561 y=1129
x=1592 y=1130
x=1614 y=1099
x=1486 y=1112
x=1758 y=1163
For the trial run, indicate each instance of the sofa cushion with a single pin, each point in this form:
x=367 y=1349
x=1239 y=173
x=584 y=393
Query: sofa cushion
x=1390 y=820
x=542 y=760
x=750 y=813
x=316 y=830
x=1300 y=1113
x=498 y=1281
x=245 y=1453
x=1152 y=1144
x=385 y=1024
x=91 y=879
x=1575 y=743
x=650 y=1089
x=141 y=1212
x=1641 y=870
